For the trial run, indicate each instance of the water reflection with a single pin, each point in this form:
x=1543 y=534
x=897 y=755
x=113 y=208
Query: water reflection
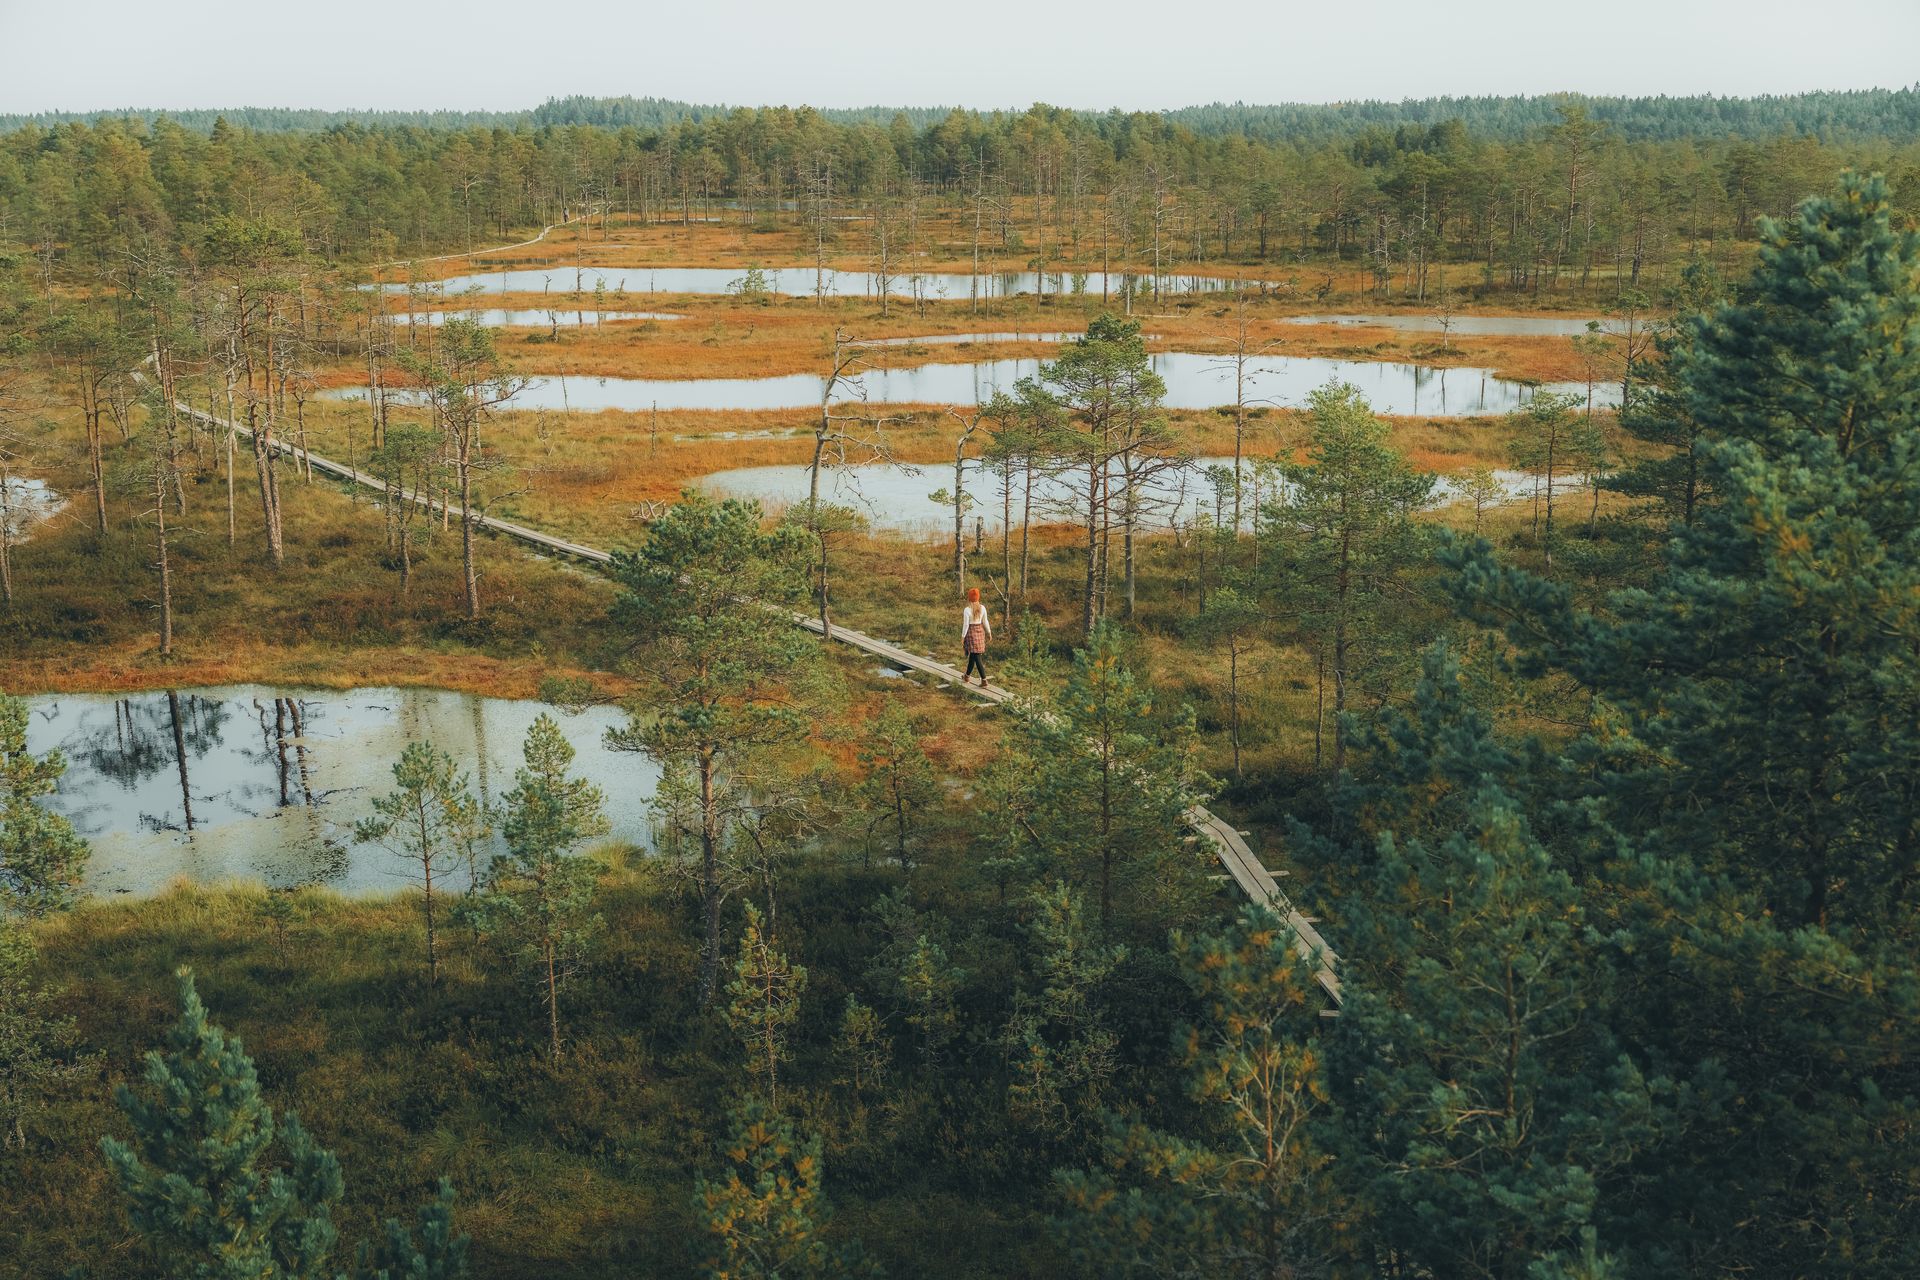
x=24 y=503
x=1463 y=326
x=899 y=499
x=499 y=317
x=967 y=339
x=805 y=282
x=1194 y=381
x=267 y=784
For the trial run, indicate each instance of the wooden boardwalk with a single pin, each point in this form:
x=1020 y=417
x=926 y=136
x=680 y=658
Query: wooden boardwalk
x=1229 y=846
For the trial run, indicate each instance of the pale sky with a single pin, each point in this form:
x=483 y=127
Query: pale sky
x=504 y=54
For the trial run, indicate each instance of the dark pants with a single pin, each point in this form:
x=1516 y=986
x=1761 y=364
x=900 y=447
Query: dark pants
x=976 y=662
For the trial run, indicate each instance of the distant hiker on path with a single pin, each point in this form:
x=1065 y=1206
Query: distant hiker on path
x=975 y=630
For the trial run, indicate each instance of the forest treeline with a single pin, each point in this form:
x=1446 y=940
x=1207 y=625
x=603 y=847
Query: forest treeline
x=1854 y=113
x=1530 y=194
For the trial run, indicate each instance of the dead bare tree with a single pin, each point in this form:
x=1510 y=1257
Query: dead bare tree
x=257 y=261
x=817 y=183
x=463 y=382
x=1244 y=351
x=884 y=240
x=158 y=471
x=968 y=424
x=843 y=440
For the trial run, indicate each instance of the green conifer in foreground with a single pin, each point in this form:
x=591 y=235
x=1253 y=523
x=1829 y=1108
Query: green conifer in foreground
x=202 y=1186
x=196 y=1178
x=767 y=1215
x=1749 y=776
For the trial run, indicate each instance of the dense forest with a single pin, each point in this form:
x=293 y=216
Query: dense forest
x=1832 y=116
x=1605 y=795
x=1567 y=194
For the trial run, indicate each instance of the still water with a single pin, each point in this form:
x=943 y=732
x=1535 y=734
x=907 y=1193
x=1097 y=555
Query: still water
x=896 y=498
x=24 y=503
x=501 y=318
x=253 y=783
x=1194 y=381
x=803 y=282
x=1464 y=326
x=967 y=339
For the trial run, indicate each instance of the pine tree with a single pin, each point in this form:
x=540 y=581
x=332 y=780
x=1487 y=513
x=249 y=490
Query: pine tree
x=195 y=1180
x=42 y=860
x=540 y=892
x=1101 y=403
x=432 y=820
x=1673 y=474
x=1757 y=718
x=1481 y=1102
x=1231 y=620
x=1244 y=1190
x=439 y=1252
x=900 y=780
x=464 y=381
x=728 y=676
x=198 y=1187
x=403 y=464
x=1544 y=445
x=1343 y=536
x=866 y=1059
x=767 y=1213
x=927 y=984
x=37 y=1045
x=1113 y=785
x=1062 y=1055
x=765 y=1003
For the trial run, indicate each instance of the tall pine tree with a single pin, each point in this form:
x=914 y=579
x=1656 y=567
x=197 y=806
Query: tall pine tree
x=1481 y=1102
x=1241 y=1189
x=540 y=892
x=1112 y=782
x=1750 y=765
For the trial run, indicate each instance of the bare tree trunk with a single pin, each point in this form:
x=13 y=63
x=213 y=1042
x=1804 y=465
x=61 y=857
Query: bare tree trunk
x=406 y=559
x=426 y=867
x=813 y=512
x=709 y=881
x=1339 y=692
x=6 y=536
x=166 y=569
x=1546 y=541
x=553 y=996
x=233 y=430
x=1026 y=526
x=260 y=429
x=960 y=517
x=1006 y=548
x=1342 y=588
x=466 y=527
x=1093 y=548
x=1319 y=701
x=1233 y=698
x=979 y=192
x=96 y=461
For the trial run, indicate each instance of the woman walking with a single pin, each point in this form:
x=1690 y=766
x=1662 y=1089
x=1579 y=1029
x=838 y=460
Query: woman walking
x=975 y=630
